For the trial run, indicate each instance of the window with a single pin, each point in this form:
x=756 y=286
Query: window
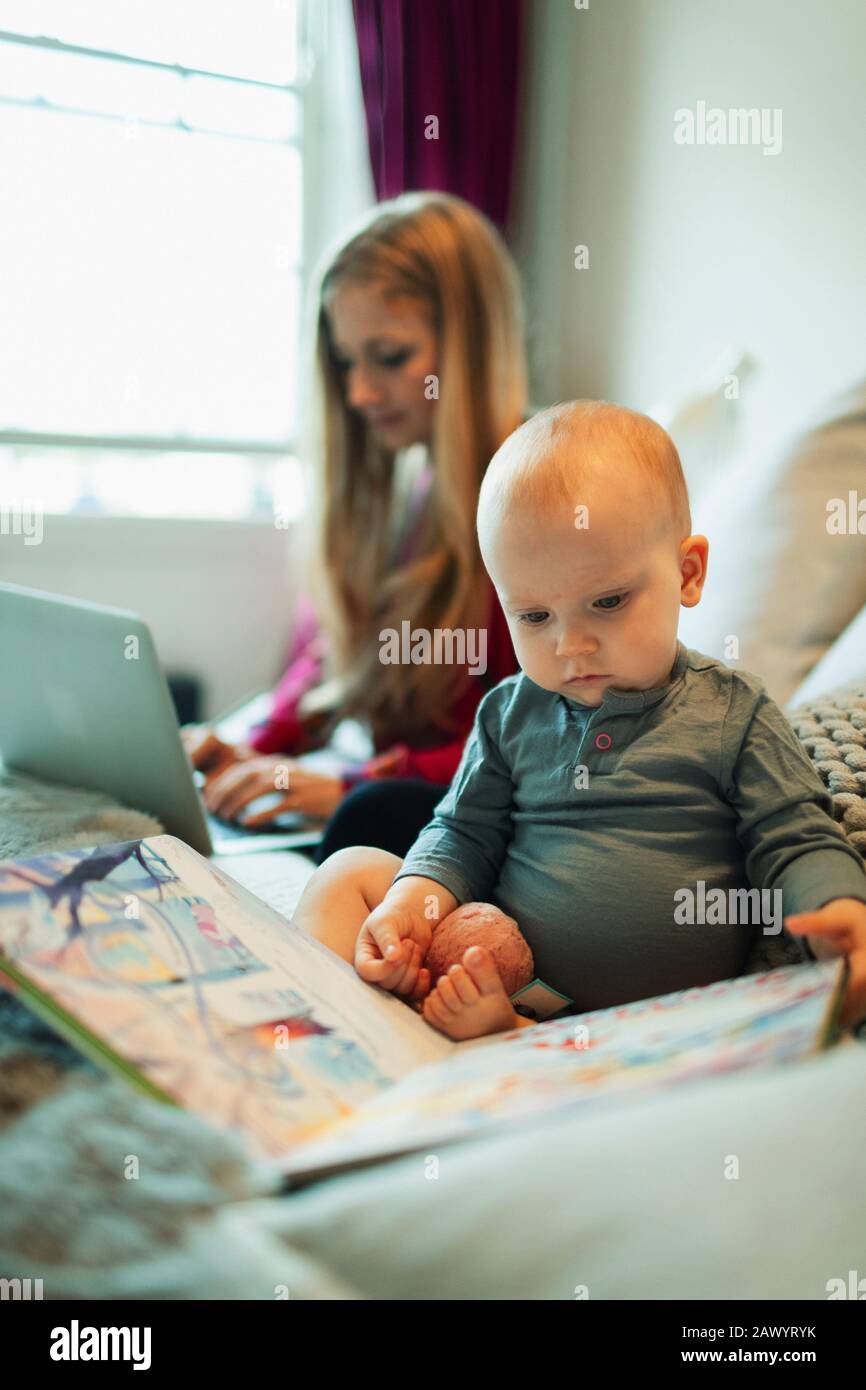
x=150 y=254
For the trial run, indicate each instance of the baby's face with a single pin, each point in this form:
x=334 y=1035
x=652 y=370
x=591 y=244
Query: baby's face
x=601 y=602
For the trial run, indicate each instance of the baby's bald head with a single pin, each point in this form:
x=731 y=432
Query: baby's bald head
x=582 y=451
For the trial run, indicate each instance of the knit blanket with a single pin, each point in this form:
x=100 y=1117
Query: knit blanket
x=833 y=732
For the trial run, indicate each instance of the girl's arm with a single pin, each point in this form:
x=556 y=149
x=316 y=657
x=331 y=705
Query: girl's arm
x=284 y=731
x=401 y=760
x=439 y=763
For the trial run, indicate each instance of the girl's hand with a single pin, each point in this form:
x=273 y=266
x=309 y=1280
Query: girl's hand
x=839 y=929
x=205 y=750
x=390 y=949
x=240 y=782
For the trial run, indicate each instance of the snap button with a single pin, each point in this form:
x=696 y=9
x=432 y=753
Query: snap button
x=603 y=740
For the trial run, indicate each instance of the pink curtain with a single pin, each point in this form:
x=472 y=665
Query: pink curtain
x=457 y=61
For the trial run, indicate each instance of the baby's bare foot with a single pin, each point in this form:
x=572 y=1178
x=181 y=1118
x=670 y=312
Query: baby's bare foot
x=470 y=1000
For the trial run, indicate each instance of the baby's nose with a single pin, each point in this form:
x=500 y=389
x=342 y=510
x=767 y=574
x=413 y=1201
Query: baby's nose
x=573 y=643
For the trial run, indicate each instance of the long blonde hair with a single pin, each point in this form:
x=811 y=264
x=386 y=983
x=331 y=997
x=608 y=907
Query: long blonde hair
x=439 y=251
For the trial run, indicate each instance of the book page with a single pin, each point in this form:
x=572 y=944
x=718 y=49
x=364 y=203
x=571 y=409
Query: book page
x=590 y=1060
x=221 y=1003
x=277 y=877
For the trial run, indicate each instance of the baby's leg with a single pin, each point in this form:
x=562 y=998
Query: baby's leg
x=341 y=894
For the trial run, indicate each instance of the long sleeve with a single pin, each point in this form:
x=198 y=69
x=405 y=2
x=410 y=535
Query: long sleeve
x=784 y=813
x=439 y=762
x=464 y=845
x=283 y=731
x=436 y=765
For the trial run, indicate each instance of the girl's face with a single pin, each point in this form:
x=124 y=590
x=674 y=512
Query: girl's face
x=386 y=351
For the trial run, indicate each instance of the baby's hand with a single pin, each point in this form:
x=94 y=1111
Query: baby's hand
x=390 y=949
x=839 y=929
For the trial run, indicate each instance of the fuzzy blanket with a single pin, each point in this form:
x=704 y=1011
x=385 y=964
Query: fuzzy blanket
x=103 y=1192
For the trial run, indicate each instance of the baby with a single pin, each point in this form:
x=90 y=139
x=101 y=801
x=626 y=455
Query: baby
x=618 y=780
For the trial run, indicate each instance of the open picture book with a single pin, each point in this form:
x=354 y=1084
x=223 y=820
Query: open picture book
x=155 y=963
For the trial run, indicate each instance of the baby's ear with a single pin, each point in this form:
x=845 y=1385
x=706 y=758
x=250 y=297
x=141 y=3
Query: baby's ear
x=694 y=554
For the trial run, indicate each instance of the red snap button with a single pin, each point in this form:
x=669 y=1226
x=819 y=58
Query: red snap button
x=603 y=740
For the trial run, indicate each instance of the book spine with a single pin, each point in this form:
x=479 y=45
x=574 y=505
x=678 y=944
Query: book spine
x=75 y=1033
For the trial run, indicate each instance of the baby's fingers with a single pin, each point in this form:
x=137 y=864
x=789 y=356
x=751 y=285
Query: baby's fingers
x=386 y=937
x=837 y=931
x=422 y=986
x=385 y=973
x=403 y=978
x=854 y=1004
x=407 y=978
x=370 y=965
x=414 y=984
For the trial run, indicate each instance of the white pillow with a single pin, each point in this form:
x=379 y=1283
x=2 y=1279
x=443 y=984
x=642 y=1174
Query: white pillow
x=777 y=580
x=709 y=423
x=843 y=664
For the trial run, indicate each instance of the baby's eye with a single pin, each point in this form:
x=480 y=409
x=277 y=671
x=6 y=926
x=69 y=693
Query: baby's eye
x=612 y=598
x=529 y=618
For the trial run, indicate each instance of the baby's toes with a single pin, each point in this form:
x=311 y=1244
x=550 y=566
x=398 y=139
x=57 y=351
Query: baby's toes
x=481 y=968
x=465 y=987
x=434 y=1011
x=448 y=994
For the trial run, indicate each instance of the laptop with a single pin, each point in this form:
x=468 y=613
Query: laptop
x=84 y=701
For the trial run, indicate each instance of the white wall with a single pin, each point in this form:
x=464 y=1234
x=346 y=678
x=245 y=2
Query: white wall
x=693 y=248
x=218 y=595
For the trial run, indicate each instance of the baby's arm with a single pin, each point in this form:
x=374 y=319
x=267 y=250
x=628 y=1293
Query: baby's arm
x=456 y=858
x=464 y=846
x=784 y=812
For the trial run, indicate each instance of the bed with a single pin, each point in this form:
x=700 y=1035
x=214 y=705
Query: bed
x=637 y=1203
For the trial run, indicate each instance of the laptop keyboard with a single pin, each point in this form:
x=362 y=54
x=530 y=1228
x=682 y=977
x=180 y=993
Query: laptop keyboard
x=307 y=829
x=280 y=825
x=230 y=830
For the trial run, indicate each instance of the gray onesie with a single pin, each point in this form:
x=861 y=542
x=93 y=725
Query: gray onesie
x=584 y=823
